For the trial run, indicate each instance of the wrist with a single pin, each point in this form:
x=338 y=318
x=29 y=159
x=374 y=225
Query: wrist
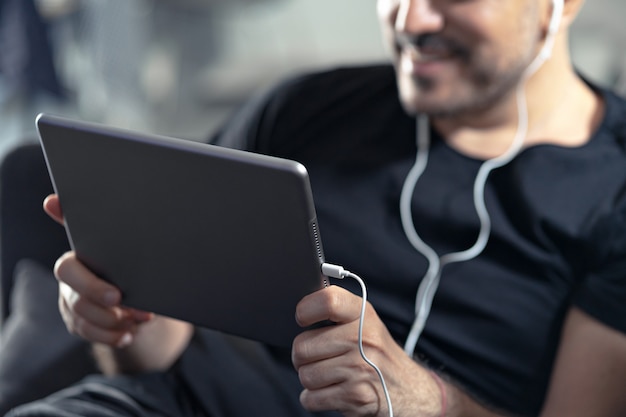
x=443 y=393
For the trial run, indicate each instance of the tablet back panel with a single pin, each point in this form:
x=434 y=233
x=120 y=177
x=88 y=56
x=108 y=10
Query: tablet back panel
x=219 y=237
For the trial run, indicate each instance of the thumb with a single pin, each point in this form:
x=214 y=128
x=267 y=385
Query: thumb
x=52 y=207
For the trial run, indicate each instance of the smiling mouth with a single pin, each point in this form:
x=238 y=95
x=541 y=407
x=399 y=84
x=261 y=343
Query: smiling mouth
x=425 y=55
x=427 y=48
x=423 y=66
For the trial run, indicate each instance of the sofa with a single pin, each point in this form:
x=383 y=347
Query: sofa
x=37 y=354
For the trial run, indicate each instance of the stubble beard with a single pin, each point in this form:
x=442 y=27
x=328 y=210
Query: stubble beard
x=485 y=88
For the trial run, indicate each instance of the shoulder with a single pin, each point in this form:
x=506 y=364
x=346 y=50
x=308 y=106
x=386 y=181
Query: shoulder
x=321 y=101
x=337 y=81
x=602 y=293
x=614 y=122
x=307 y=103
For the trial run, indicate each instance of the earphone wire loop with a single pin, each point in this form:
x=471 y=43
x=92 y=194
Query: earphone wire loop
x=430 y=282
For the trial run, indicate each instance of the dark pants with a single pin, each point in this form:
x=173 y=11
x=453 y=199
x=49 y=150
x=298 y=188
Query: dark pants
x=217 y=376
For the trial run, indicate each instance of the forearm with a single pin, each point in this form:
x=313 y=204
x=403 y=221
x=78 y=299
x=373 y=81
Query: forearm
x=436 y=395
x=420 y=391
x=459 y=404
x=155 y=347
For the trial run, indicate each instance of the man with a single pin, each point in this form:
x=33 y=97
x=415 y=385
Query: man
x=529 y=323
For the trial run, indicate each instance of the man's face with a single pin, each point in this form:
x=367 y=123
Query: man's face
x=458 y=56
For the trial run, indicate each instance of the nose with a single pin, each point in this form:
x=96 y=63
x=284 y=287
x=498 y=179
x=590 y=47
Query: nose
x=418 y=17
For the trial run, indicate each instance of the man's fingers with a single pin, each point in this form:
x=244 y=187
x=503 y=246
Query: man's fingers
x=332 y=371
x=75 y=275
x=322 y=344
x=349 y=399
x=95 y=324
x=139 y=316
x=112 y=318
x=52 y=207
x=321 y=400
x=333 y=303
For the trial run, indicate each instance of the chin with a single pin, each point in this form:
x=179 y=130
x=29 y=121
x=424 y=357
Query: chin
x=425 y=96
x=436 y=101
x=415 y=103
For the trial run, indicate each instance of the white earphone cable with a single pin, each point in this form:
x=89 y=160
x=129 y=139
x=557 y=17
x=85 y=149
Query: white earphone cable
x=336 y=271
x=430 y=282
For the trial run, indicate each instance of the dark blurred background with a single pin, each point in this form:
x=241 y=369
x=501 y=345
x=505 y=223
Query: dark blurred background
x=179 y=67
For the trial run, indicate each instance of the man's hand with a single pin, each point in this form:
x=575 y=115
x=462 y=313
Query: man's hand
x=91 y=308
x=336 y=377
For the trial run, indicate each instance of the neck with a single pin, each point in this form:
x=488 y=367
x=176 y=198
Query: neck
x=562 y=110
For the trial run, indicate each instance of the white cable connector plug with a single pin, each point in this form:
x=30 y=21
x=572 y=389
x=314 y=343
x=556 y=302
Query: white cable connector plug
x=334 y=271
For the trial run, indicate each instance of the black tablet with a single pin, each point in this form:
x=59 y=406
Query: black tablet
x=222 y=238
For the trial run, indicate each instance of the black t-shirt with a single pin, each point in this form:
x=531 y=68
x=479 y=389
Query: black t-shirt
x=558 y=226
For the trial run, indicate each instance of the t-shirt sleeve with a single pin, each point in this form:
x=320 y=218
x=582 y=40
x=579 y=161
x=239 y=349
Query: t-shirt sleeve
x=295 y=113
x=603 y=293
x=244 y=127
x=253 y=126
